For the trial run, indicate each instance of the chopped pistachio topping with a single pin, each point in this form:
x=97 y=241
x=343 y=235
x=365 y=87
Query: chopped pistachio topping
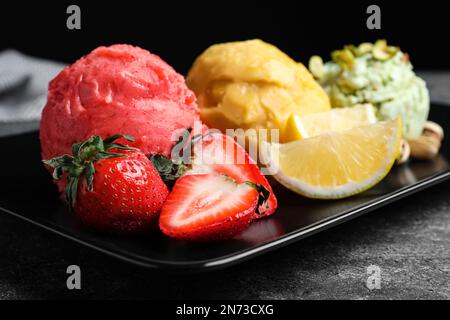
x=381 y=51
x=365 y=48
x=345 y=58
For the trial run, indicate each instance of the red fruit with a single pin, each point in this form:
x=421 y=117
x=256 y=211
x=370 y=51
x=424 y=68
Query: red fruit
x=126 y=193
x=221 y=154
x=207 y=207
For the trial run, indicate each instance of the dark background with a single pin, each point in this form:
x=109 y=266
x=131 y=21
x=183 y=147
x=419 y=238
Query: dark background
x=179 y=30
x=408 y=239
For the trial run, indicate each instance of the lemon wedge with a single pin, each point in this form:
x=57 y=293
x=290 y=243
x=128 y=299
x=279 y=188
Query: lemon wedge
x=338 y=119
x=335 y=165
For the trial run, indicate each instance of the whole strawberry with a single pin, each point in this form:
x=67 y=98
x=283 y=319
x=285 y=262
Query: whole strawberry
x=110 y=186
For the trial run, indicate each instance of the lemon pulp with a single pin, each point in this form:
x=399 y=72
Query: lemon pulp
x=339 y=119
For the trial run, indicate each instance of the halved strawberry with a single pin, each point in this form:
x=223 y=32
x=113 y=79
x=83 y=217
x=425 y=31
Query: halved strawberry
x=207 y=207
x=219 y=153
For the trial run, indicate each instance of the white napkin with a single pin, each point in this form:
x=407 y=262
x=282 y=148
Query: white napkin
x=23 y=85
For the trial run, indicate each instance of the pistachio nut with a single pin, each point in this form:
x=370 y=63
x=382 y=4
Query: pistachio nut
x=344 y=58
x=424 y=147
x=353 y=49
x=433 y=129
x=381 y=44
x=316 y=67
x=365 y=47
x=381 y=51
x=346 y=86
x=405 y=152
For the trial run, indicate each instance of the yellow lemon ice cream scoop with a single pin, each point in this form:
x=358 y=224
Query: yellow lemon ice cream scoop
x=252 y=84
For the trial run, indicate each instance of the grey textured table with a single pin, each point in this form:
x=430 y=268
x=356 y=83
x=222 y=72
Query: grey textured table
x=409 y=240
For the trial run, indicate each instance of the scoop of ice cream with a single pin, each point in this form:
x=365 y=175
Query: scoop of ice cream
x=380 y=75
x=117 y=89
x=252 y=84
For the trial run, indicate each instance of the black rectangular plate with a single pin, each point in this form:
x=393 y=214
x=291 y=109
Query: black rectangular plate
x=26 y=191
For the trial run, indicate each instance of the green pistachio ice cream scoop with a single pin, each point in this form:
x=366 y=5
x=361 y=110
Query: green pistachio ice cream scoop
x=378 y=74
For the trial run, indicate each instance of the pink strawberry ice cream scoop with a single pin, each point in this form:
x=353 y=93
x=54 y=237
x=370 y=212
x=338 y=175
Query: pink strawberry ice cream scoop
x=119 y=89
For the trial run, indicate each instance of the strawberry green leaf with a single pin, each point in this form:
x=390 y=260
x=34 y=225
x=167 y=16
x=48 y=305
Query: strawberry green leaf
x=115 y=137
x=118 y=146
x=109 y=143
x=60 y=164
x=89 y=173
x=57 y=173
x=107 y=155
x=71 y=191
x=167 y=169
x=170 y=170
x=76 y=148
x=59 y=161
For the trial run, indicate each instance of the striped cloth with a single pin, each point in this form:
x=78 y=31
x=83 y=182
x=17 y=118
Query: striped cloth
x=23 y=85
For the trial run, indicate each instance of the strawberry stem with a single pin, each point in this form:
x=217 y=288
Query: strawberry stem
x=171 y=170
